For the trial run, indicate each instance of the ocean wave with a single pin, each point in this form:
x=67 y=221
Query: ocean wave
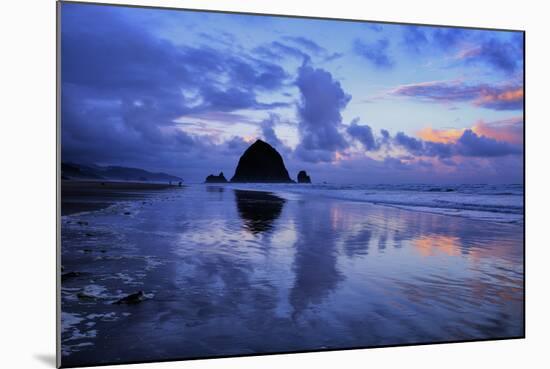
x=497 y=203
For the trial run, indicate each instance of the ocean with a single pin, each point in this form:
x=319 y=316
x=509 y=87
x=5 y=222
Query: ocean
x=498 y=203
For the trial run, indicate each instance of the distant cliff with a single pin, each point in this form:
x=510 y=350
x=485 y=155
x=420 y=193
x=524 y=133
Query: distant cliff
x=118 y=173
x=261 y=163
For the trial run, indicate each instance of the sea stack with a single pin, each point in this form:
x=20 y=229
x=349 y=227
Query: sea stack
x=261 y=163
x=216 y=179
x=303 y=177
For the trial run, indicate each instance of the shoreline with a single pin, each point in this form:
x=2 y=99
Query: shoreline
x=454 y=212
x=87 y=196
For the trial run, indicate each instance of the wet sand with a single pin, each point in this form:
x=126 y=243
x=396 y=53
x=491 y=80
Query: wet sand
x=228 y=272
x=81 y=196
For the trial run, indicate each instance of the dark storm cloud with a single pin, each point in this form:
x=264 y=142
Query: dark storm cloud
x=122 y=89
x=469 y=144
x=509 y=97
x=319 y=112
x=376 y=53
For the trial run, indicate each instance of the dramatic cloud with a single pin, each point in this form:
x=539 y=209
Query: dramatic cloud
x=376 y=53
x=468 y=144
x=508 y=130
x=508 y=97
x=410 y=143
x=440 y=135
x=319 y=112
x=506 y=56
x=123 y=90
x=172 y=93
x=363 y=133
x=427 y=39
x=267 y=127
x=472 y=47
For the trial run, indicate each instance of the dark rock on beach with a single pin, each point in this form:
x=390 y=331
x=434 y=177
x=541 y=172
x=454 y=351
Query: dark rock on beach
x=85 y=297
x=69 y=275
x=216 y=179
x=134 y=298
x=303 y=177
x=261 y=163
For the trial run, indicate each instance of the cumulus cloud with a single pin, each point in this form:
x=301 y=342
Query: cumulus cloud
x=410 y=143
x=376 y=53
x=319 y=112
x=508 y=130
x=468 y=144
x=363 y=133
x=502 y=97
x=267 y=127
x=471 y=144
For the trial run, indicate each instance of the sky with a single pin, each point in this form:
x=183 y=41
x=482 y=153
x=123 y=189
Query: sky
x=186 y=92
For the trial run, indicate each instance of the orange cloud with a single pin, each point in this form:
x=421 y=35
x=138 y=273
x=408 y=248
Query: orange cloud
x=509 y=130
x=249 y=139
x=440 y=135
x=500 y=99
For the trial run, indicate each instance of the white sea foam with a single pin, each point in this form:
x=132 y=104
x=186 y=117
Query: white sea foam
x=497 y=203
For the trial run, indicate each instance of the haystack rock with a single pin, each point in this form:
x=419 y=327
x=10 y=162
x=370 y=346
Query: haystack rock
x=303 y=177
x=216 y=179
x=261 y=163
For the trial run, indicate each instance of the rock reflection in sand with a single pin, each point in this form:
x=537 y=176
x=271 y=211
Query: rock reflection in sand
x=241 y=272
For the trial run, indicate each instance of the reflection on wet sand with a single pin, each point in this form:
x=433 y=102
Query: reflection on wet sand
x=254 y=273
x=258 y=209
x=316 y=274
x=430 y=245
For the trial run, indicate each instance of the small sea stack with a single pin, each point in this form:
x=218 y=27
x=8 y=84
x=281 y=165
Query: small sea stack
x=261 y=163
x=220 y=178
x=303 y=177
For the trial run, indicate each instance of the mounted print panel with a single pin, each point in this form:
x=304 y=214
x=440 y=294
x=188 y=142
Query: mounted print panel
x=245 y=184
